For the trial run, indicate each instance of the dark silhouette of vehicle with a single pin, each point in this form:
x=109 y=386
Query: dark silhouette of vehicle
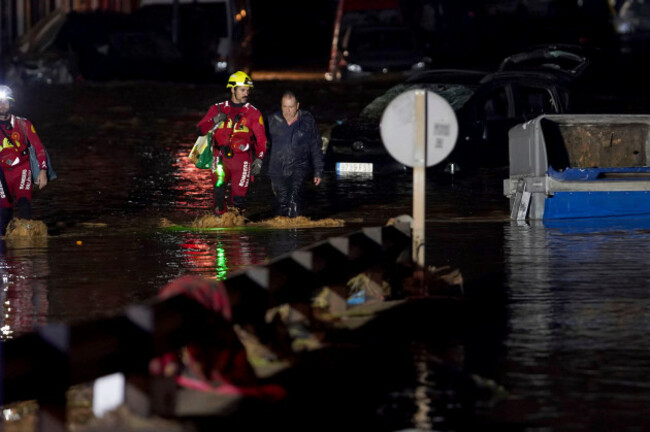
x=569 y=59
x=486 y=104
x=367 y=51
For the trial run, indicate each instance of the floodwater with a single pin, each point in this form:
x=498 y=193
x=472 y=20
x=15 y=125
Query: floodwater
x=559 y=314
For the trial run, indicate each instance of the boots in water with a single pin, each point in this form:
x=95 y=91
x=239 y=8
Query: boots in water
x=5 y=216
x=24 y=208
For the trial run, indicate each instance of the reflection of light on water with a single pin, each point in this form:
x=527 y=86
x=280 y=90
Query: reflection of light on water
x=192 y=184
x=201 y=255
x=421 y=418
x=222 y=263
x=6 y=332
x=23 y=303
x=421 y=394
x=198 y=254
x=359 y=176
x=215 y=256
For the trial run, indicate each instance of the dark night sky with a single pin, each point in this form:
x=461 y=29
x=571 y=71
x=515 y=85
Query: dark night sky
x=294 y=33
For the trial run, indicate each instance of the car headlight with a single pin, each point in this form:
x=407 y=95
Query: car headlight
x=352 y=67
x=422 y=64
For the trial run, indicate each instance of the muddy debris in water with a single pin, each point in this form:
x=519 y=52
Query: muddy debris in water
x=371 y=285
x=228 y=219
x=298 y=222
x=23 y=233
x=26 y=228
x=236 y=219
x=166 y=223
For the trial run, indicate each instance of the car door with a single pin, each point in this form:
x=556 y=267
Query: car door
x=492 y=114
x=533 y=100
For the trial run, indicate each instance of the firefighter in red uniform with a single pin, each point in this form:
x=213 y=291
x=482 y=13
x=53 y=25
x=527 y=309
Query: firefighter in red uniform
x=238 y=144
x=17 y=134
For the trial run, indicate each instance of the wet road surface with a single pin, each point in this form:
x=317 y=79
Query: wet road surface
x=559 y=313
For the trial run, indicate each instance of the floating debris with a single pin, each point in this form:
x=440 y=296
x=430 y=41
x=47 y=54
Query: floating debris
x=236 y=219
x=26 y=228
x=371 y=285
x=434 y=281
x=228 y=219
x=298 y=222
x=166 y=223
x=407 y=219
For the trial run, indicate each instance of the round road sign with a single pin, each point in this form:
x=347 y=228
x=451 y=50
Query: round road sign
x=397 y=128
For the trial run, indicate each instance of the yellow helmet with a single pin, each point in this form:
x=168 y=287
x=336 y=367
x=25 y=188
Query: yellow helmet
x=238 y=79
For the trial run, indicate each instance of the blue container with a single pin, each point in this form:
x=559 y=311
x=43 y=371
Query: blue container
x=577 y=166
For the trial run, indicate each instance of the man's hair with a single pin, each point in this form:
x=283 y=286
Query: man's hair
x=289 y=94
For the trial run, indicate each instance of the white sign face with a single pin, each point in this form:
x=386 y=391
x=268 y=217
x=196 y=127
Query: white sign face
x=397 y=128
x=108 y=393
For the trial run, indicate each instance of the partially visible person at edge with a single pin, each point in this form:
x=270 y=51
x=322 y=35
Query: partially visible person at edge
x=17 y=134
x=238 y=144
x=295 y=150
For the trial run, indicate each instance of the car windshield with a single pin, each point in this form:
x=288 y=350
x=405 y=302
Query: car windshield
x=555 y=59
x=457 y=95
x=380 y=40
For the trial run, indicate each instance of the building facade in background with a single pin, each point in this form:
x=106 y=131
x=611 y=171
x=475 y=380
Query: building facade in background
x=64 y=41
x=18 y=16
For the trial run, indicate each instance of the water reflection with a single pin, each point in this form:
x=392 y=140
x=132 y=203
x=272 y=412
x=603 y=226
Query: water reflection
x=23 y=297
x=218 y=253
x=579 y=328
x=191 y=186
x=568 y=339
x=216 y=256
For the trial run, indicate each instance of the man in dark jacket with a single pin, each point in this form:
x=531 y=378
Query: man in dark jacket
x=295 y=152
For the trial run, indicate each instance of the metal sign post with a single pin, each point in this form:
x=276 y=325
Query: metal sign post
x=419 y=177
x=428 y=123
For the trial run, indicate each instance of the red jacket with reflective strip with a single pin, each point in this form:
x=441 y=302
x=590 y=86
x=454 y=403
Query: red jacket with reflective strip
x=243 y=129
x=13 y=152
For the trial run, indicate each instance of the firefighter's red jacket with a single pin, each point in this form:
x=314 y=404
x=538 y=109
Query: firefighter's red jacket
x=242 y=130
x=15 y=140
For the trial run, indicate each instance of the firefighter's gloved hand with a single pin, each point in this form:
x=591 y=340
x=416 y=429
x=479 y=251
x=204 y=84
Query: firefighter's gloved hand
x=256 y=167
x=219 y=118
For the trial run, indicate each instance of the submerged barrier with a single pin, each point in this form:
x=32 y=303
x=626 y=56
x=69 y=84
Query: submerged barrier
x=44 y=364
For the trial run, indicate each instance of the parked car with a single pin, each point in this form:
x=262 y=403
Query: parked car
x=487 y=105
x=372 y=50
x=570 y=59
